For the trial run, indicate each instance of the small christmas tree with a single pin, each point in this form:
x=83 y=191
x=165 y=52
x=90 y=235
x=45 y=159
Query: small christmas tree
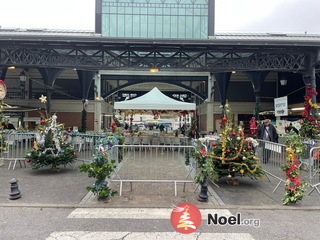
x=51 y=148
x=234 y=154
x=101 y=168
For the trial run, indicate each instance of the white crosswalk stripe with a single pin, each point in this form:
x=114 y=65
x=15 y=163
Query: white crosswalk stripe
x=136 y=213
x=81 y=235
x=140 y=213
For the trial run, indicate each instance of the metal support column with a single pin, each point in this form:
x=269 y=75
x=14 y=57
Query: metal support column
x=49 y=76
x=257 y=79
x=223 y=80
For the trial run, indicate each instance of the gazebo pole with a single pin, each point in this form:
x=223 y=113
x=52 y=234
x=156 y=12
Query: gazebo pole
x=131 y=119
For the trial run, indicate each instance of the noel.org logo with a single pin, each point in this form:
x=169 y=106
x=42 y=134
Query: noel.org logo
x=186 y=218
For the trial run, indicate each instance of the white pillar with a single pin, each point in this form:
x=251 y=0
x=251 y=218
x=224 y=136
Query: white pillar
x=97 y=103
x=209 y=104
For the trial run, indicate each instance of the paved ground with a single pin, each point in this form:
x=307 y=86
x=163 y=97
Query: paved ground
x=46 y=188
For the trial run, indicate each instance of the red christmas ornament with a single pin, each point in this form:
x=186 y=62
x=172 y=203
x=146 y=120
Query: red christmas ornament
x=69 y=130
x=214 y=144
x=74 y=153
x=43 y=121
x=249 y=147
x=228 y=151
x=28 y=161
x=233 y=134
x=223 y=121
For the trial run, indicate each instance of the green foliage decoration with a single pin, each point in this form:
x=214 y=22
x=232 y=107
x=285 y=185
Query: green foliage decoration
x=310 y=126
x=205 y=167
x=101 y=168
x=294 y=188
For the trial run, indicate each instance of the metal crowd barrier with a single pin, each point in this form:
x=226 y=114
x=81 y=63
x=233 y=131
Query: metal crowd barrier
x=14 y=147
x=305 y=159
x=314 y=167
x=152 y=164
x=272 y=156
x=85 y=144
x=309 y=163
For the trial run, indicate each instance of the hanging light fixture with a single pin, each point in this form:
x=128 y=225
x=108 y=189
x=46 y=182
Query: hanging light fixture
x=154 y=70
x=283 y=82
x=22 y=76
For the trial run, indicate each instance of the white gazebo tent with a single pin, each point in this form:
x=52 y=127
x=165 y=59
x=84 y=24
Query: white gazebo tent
x=154 y=100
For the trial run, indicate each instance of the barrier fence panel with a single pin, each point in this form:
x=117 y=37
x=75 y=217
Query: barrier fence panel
x=305 y=159
x=272 y=156
x=85 y=145
x=153 y=163
x=14 y=147
x=313 y=165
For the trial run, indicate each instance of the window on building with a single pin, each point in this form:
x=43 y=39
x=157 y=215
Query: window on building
x=155 y=18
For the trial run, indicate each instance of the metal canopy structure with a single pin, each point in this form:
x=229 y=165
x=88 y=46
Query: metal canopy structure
x=51 y=51
x=221 y=53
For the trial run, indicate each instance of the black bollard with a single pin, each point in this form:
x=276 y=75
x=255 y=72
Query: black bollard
x=203 y=196
x=15 y=192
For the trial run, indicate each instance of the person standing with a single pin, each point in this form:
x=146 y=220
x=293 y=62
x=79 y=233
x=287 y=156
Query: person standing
x=161 y=127
x=267 y=132
x=291 y=128
x=183 y=129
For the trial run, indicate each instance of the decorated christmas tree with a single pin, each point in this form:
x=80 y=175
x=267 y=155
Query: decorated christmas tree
x=231 y=155
x=51 y=148
x=234 y=154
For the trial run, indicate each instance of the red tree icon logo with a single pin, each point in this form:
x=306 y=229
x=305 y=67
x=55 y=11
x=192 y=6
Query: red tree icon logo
x=186 y=218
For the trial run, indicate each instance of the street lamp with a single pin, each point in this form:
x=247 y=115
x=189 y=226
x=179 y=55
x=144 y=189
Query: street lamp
x=23 y=77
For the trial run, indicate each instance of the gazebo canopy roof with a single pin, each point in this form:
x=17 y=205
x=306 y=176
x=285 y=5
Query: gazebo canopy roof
x=154 y=100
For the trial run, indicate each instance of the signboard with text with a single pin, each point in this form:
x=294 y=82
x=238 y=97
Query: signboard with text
x=281 y=106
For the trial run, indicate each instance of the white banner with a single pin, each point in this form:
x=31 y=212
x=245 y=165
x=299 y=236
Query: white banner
x=281 y=106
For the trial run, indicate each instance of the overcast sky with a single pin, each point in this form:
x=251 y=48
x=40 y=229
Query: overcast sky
x=288 y=16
